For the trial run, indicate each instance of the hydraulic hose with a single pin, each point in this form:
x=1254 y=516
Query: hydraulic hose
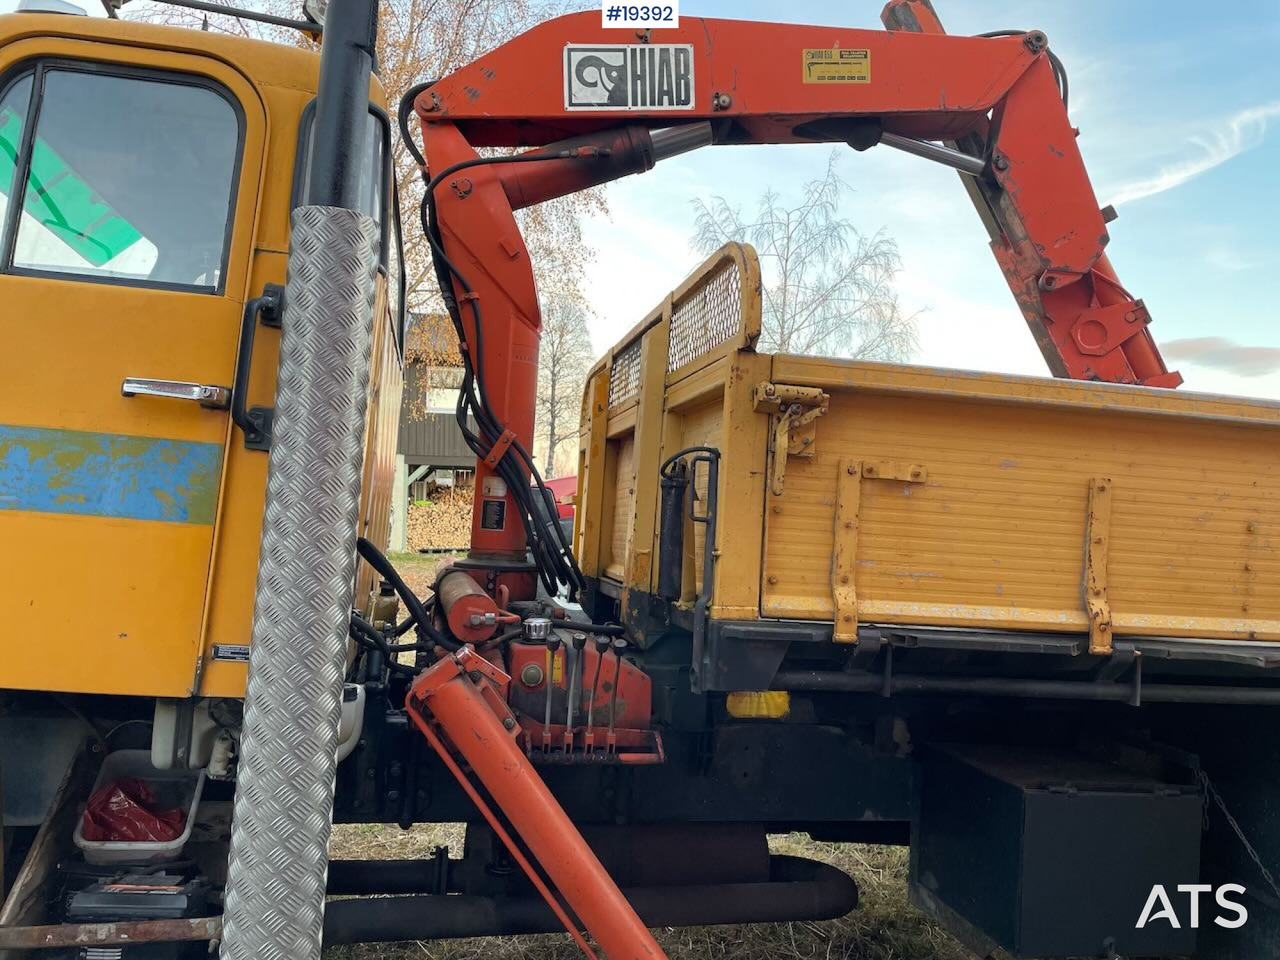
x=426 y=631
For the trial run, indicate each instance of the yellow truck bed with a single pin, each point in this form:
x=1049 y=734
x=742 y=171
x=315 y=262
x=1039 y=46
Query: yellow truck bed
x=907 y=495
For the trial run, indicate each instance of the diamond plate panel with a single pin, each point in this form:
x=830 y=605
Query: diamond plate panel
x=284 y=790
x=706 y=317
x=624 y=377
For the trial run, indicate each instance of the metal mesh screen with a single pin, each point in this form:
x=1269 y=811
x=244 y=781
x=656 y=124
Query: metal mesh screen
x=706 y=318
x=624 y=378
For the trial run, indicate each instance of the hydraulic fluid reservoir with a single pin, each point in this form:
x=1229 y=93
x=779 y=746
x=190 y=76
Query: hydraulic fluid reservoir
x=386 y=605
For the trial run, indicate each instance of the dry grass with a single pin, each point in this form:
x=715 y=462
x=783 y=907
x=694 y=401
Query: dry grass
x=418 y=569
x=884 y=927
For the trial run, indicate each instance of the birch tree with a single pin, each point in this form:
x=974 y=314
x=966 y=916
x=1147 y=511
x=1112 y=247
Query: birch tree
x=564 y=358
x=828 y=289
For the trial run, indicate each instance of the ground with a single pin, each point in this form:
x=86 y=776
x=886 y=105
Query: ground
x=883 y=927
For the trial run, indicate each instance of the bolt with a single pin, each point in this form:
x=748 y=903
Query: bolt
x=474 y=676
x=773 y=580
x=721 y=101
x=1035 y=41
x=844 y=578
x=777 y=508
x=1000 y=161
x=851 y=470
x=509 y=723
x=806 y=441
x=848 y=618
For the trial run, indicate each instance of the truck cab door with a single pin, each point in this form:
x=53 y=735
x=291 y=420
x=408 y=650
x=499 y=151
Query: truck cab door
x=128 y=183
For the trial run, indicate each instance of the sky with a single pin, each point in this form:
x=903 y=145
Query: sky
x=1179 y=113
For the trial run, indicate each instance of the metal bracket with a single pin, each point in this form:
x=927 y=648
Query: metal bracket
x=1097 y=533
x=894 y=470
x=794 y=411
x=1099 y=330
x=499 y=449
x=844 y=591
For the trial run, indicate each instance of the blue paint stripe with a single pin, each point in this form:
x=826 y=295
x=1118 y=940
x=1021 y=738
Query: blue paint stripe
x=108 y=475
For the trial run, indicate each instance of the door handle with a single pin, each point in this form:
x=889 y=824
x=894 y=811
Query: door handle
x=254 y=422
x=207 y=395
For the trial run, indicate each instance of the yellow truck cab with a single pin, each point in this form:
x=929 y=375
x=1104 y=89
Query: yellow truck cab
x=147 y=176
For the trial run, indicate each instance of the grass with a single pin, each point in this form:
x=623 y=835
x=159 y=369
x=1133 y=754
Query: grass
x=883 y=927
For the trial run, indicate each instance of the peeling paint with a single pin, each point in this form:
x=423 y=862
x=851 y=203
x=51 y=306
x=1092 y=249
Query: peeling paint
x=108 y=475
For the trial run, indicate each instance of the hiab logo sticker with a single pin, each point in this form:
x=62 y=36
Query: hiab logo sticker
x=634 y=76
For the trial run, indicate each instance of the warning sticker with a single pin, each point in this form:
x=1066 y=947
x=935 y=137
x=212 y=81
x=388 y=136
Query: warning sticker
x=493 y=514
x=495 y=487
x=837 y=66
x=235 y=652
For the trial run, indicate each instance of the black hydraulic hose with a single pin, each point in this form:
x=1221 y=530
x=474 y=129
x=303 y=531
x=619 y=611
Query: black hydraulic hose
x=402 y=116
x=1059 y=69
x=377 y=559
x=404 y=627
x=552 y=555
x=367 y=636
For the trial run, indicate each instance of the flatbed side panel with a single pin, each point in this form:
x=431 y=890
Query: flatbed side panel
x=994 y=535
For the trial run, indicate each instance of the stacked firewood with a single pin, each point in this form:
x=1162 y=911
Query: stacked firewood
x=442 y=521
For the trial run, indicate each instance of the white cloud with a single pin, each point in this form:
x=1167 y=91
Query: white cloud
x=1239 y=132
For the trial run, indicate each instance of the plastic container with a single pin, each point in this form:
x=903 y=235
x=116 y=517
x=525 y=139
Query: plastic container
x=173 y=788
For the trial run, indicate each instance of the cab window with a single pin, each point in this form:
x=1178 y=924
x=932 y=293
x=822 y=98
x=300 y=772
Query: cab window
x=118 y=176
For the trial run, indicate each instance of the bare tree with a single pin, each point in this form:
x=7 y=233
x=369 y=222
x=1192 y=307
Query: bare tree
x=828 y=289
x=421 y=40
x=564 y=358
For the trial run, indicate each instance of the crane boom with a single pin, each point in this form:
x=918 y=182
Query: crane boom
x=995 y=99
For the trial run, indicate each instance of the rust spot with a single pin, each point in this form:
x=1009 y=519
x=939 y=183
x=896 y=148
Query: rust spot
x=488 y=74
x=471 y=92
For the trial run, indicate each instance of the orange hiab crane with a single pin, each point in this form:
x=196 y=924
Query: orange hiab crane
x=596 y=104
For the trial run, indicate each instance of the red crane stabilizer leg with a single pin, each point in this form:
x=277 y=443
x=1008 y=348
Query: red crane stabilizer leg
x=459 y=705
